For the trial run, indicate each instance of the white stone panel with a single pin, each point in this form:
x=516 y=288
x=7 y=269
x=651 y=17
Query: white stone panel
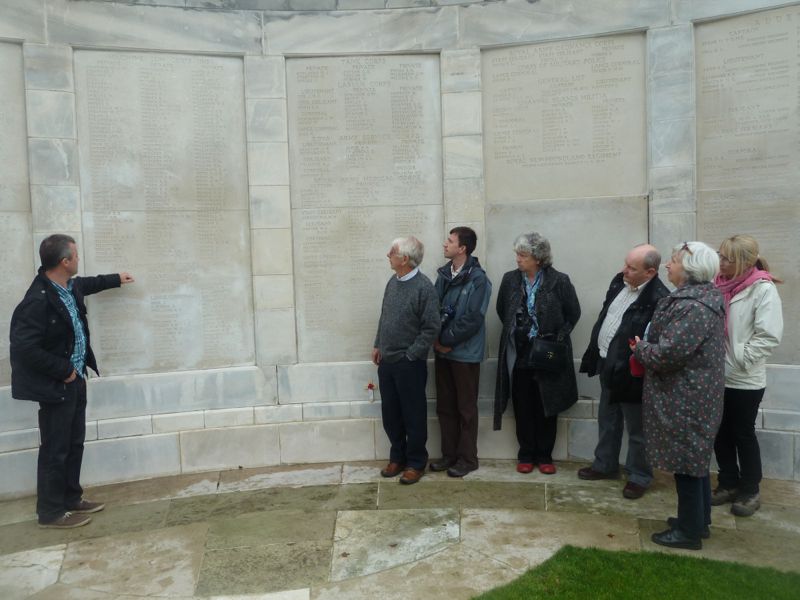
x=178 y=421
x=461 y=113
x=672 y=142
x=165 y=393
x=129 y=426
x=13 y=151
x=777 y=454
x=48 y=67
x=365 y=131
x=553 y=110
x=748 y=79
x=273 y=291
x=672 y=189
x=313 y=383
x=461 y=70
x=604 y=229
x=91 y=431
x=22 y=20
x=327 y=441
x=463 y=157
x=495 y=444
x=276 y=341
x=272 y=251
x=164 y=184
x=50 y=114
x=278 y=414
x=19 y=473
x=772 y=215
x=53 y=161
x=463 y=200
x=265 y=77
x=268 y=163
x=125 y=459
x=55 y=208
x=781 y=391
x=231 y=447
x=15 y=272
x=582 y=438
x=23 y=439
x=266 y=120
x=229 y=417
x=669 y=229
x=365 y=410
x=270 y=207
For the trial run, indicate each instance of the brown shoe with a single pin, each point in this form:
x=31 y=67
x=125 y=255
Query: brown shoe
x=411 y=475
x=67 y=521
x=633 y=491
x=85 y=506
x=393 y=469
x=589 y=474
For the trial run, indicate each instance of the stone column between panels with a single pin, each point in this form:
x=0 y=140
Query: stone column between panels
x=671 y=134
x=270 y=209
x=462 y=142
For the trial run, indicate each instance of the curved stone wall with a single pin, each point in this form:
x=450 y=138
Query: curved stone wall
x=250 y=161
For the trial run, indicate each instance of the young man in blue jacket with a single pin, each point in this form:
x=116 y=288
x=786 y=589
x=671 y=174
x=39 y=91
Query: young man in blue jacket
x=50 y=353
x=464 y=291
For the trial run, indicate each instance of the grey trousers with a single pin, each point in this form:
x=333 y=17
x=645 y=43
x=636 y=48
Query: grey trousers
x=612 y=419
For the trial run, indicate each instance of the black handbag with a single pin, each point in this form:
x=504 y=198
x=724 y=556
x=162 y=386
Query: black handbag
x=545 y=355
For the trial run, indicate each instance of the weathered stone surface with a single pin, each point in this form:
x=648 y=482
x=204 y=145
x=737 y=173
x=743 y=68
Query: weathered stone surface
x=50 y=114
x=15 y=231
x=25 y=573
x=334 y=440
x=122 y=459
x=583 y=111
x=367 y=542
x=48 y=67
x=232 y=446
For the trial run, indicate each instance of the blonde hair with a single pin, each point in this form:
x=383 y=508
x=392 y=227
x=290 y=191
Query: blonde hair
x=742 y=251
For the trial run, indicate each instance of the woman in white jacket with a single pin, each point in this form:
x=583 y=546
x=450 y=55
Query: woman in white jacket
x=753 y=328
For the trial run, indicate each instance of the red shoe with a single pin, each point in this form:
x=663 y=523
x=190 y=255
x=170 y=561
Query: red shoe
x=547 y=469
x=525 y=467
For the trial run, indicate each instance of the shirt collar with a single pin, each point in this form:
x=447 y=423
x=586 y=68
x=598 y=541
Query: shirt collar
x=638 y=288
x=410 y=275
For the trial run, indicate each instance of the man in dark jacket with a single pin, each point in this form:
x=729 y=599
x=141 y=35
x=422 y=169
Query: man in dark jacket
x=50 y=353
x=464 y=292
x=627 y=310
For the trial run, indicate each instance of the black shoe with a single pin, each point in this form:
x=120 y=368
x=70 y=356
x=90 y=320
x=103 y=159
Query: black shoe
x=460 y=469
x=442 y=464
x=705 y=534
x=675 y=538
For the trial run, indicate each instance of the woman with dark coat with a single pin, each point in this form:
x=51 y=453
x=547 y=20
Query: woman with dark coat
x=684 y=359
x=534 y=300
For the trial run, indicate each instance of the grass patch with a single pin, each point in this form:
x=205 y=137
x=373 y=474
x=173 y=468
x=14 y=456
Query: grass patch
x=582 y=573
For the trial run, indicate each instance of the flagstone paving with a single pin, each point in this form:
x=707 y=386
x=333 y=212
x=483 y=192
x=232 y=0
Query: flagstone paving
x=318 y=532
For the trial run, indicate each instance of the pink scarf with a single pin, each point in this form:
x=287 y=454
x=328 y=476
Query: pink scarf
x=731 y=287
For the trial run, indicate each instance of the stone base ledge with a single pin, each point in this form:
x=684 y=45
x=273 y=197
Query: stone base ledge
x=197 y=450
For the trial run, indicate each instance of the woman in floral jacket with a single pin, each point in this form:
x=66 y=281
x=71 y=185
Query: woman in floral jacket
x=684 y=357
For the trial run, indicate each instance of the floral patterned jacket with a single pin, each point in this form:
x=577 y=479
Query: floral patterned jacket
x=684 y=358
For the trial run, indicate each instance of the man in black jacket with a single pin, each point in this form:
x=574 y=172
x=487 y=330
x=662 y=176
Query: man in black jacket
x=627 y=310
x=50 y=353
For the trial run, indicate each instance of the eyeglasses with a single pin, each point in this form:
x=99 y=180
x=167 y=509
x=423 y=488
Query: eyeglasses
x=686 y=247
x=722 y=257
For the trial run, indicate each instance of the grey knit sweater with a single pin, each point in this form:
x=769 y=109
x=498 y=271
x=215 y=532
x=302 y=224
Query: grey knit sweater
x=409 y=320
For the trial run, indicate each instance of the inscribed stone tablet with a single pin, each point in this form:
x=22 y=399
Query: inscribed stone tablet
x=364 y=131
x=772 y=216
x=15 y=220
x=565 y=119
x=589 y=238
x=341 y=270
x=748 y=84
x=366 y=167
x=164 y=184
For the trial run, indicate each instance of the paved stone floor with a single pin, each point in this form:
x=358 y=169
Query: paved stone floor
x=341 y=531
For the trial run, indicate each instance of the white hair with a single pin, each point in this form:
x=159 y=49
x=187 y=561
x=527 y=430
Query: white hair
x=410 y=247
x=699 y=261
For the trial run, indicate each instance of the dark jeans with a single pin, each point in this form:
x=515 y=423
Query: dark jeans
x=737 y=436
x=536 y=433
x=457 y=409
x=694 y=504
x=62 y=427
x=404 y=410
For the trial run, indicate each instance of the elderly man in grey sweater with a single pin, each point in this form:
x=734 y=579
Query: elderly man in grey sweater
x=408 y=326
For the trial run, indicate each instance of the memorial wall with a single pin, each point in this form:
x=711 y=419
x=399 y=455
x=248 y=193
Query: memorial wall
x=564 y=152
x=251 y=167
x=365 y=163
x=748 y=145
x=15 y=217
x=164 y=195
